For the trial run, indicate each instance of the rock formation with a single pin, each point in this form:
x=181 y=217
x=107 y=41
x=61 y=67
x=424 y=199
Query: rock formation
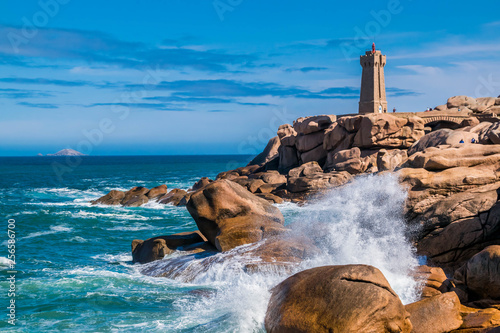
x=229 y=216
x=350 y=298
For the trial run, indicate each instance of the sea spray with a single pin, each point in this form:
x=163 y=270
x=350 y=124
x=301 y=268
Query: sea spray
x=360 y=223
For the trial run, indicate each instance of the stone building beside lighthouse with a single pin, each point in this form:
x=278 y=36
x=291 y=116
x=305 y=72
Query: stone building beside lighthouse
x=372 y=97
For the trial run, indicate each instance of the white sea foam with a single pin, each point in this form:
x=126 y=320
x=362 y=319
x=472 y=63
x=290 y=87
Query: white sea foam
x=136 y=227
x=79 y=239
x=121 y=257
x=5 y=261
x=53 y=230
x=362 y=224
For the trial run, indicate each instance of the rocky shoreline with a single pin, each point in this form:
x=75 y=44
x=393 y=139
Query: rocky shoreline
x=451 y=172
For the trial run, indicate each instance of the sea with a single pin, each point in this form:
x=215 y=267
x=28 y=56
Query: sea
x=67 y=266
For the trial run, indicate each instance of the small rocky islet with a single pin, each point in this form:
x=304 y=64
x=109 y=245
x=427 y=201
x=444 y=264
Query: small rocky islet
x=448 y=160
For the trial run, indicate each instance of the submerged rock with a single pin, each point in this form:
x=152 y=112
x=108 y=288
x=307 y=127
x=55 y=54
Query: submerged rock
x=175 y=197
x=158 y=247
x=113 y=198
x=349 y=298
x=275 y=255
x=157 y=191
x=135 y=196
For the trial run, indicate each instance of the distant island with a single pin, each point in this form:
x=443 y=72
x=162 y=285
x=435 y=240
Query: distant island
x=67 y=152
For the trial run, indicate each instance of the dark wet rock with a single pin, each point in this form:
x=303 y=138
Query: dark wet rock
x=134 y=192
x=158 y=247
x=157 y=191
x=112 y=198
x=136 y=201
x=175 y=197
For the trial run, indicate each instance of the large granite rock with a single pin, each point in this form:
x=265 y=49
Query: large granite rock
x=306 y=169
x=269 y=153
x=308 y=142
x=351 y=123
x=437 y=314
x=441 y=137
x=481 y=274
x=490 y=134
x=351 y=298
x=452 y=196
x=335 y=136
x=307 y=125
x=388 y=160
x=432 y=280
x=386 y=131
x=228 y=215
x=157 y=191
x=136 y=201
x=288 y=158
x=459 y=156
x=349 y=160
x=287 y=135
x=134 y=192
x=175 y=197
x=317 y=154
x=479 y=320
x=461 y=102
x=317 y=182
x=484 y=103
x=204 y=181
x=113 y=198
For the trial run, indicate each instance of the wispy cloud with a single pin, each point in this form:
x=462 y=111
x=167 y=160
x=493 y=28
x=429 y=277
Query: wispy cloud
x=98 y=47
x=151 y=106
x=492 y=24
x=20 y=93
x=39 y=105
x=306 y=69
x=226 y=90
x=41 y=81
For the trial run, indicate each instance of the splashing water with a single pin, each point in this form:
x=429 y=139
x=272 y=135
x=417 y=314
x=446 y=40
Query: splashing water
x=360 y=223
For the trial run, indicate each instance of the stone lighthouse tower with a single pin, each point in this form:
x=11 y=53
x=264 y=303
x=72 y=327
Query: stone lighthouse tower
x=372 y=98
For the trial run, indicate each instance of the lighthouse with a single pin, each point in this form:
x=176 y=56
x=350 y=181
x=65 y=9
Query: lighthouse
x=372 y=98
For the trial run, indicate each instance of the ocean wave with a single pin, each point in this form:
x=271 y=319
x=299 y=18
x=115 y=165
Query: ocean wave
x=133 y=228
x=79 y=239
x=113 y=258
x=53 y=230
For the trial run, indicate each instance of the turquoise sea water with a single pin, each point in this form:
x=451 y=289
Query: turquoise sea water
x=73 y=261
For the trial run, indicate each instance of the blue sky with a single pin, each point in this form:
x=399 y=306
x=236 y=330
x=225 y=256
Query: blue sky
x=219 y=77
